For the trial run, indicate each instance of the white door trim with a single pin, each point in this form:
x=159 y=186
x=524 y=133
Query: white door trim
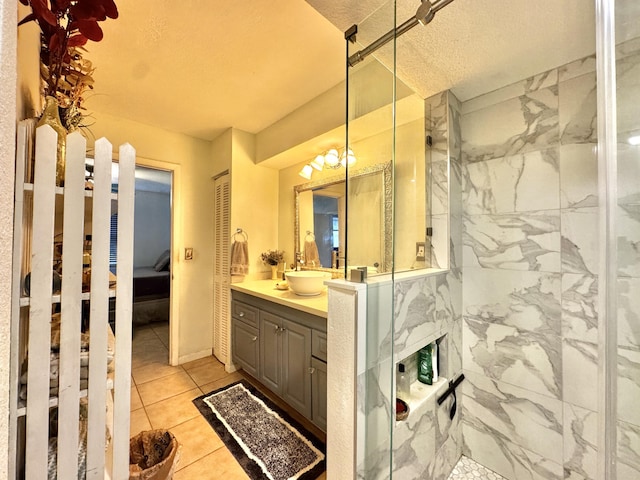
x=176 y=247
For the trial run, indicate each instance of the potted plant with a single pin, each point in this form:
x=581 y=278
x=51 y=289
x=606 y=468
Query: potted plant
x=272 y=258
x=65 y=28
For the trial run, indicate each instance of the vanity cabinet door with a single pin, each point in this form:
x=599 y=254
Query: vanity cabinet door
x=245 y=346
x=270 y=351
x=319 y=391
x=296 y=366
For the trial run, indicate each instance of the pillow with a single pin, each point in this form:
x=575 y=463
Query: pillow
x=162 y=263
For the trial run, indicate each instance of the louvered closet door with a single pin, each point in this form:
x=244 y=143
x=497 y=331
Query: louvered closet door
x=221 y=271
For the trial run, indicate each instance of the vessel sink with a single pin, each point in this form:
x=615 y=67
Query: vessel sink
x=307 y=282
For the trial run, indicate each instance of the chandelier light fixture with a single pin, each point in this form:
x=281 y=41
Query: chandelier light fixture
x=331 y=159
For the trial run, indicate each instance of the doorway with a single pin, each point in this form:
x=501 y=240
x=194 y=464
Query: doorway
x=152 y=268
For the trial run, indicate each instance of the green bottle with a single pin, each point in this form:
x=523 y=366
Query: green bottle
x=425 y=365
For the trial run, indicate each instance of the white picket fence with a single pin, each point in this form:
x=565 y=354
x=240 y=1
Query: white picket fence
x=39 y=207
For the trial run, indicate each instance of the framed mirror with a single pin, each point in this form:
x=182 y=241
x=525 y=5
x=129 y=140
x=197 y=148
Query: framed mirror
x=321 y=211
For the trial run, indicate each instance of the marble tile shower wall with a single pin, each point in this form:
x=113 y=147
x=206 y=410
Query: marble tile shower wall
x=530 y=264
x=428 y=444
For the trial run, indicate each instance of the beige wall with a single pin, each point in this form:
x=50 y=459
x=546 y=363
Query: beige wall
x=193 y=197
x=320 y=115
x=221 y=149
x=254 y=202
x=319 y=124
x=29 y=102
x=409 y=191
x=410 y=194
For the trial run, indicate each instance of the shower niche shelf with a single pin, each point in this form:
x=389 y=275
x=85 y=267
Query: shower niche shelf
x=421 y=395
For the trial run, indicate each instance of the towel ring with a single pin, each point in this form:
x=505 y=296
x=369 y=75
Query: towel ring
x=310 y=234
x=241 y=232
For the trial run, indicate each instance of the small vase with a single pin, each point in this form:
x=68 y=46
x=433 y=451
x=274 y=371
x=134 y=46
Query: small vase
x=51 y=116
x=274 y=272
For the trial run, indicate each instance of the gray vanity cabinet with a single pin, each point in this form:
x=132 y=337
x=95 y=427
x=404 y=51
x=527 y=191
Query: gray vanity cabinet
x=270 y=351
x=285 y=353
x=285 y=349
x=245 y=344
x=319 y=390
x=296 y=353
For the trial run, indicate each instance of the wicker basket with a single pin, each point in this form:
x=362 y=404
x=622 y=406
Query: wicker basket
x=153 y=455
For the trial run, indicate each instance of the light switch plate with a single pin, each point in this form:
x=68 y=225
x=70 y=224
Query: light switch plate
x=188 y=253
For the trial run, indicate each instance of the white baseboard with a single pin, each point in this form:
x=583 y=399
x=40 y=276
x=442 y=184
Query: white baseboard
x=195 y=356
x=228 y=367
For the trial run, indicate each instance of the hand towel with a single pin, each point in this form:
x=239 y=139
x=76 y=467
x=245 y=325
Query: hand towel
x=240 y=258
x=311 y=256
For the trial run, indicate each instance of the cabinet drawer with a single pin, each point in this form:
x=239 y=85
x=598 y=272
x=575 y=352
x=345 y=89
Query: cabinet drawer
x=246 y=313
x=319 y=345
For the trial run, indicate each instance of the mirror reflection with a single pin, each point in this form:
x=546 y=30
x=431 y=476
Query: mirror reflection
x=321 y=214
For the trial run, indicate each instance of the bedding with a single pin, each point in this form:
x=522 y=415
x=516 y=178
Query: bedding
x=149 y=282
x=150 y=295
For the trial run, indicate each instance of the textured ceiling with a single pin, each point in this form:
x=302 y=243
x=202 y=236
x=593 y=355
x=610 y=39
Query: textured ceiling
x=473 y=46
x=202 y=66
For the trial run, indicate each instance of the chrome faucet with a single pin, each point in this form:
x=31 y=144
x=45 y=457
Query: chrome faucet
x=299 y=261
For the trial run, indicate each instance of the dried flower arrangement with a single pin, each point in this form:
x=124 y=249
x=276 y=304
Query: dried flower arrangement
x=272 y=257
x=65 y=28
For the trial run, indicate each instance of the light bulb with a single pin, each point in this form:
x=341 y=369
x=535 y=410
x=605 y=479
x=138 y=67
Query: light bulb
x=331 y=158
x=306 y=172
x=347 y=158
x=318 y=163
x=635 y=140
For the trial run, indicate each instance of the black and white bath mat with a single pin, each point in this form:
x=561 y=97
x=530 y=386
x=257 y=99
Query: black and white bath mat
x=266 y=441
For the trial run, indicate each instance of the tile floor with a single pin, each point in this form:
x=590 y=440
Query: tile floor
x=467 y=469
x=161 y=397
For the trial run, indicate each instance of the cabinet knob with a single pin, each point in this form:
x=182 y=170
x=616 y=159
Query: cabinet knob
x=312 y=370
x=241 y=314
x=282 y=329
x=254 y=339
x=276 y=329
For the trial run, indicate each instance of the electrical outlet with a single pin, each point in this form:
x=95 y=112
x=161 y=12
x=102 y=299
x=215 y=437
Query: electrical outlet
x=420 y=251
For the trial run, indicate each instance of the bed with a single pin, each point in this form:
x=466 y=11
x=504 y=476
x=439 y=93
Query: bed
x=151 y=288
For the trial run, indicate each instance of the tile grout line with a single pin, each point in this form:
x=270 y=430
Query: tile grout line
x=220 y=447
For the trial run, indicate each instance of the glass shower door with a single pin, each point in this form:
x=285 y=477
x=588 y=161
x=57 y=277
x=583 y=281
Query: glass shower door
x=370 y=134
x=627 y=51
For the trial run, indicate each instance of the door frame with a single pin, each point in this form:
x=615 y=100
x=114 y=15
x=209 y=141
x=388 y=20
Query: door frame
x=176 y=243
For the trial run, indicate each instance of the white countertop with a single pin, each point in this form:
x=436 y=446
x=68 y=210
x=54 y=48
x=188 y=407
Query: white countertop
x=266 y=289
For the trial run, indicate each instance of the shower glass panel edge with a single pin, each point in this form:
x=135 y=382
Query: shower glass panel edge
x=606 y=113
x=623 y=202
x=371 y=136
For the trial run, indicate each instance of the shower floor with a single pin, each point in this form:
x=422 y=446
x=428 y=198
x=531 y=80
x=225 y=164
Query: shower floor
x=468 y=469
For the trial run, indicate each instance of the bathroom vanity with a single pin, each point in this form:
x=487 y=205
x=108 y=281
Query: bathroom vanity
x=280 y=339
